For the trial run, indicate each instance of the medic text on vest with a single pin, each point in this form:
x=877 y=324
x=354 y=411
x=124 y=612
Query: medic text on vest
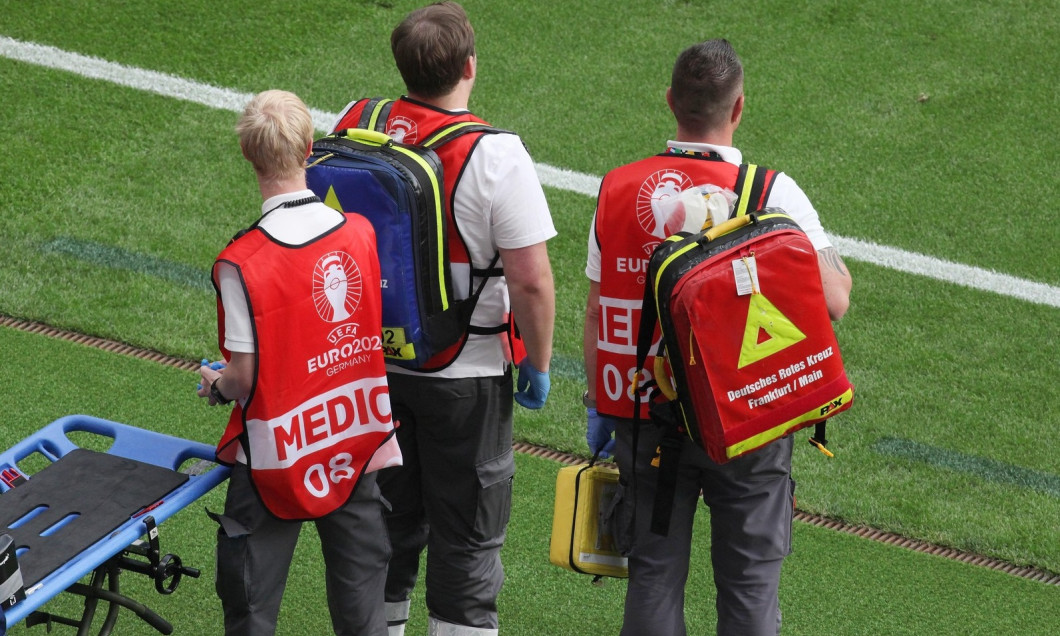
x=619 y=324
x=331 y=419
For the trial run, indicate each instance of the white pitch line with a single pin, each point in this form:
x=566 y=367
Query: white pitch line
x=138 y=78
x=551 y=176
x=966 y=275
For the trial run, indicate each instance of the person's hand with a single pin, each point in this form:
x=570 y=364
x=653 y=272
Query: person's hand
x=208 y=372
x=598 y=433
x=216 y=366
x=533 y=386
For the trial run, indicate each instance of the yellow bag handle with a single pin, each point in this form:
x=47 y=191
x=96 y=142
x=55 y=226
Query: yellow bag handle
x=366 y=136
x=728 y=226
x=662 y=379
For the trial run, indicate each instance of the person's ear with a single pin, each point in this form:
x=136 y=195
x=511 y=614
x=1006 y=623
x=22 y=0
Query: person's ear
x=471 y=67
x=737 y=110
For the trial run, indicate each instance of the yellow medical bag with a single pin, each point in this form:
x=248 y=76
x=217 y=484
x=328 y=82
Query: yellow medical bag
x=581 y=541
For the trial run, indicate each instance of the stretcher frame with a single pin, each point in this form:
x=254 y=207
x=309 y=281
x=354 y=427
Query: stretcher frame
x=122 y=548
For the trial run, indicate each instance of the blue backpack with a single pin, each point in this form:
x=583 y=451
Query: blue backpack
x=399 y=188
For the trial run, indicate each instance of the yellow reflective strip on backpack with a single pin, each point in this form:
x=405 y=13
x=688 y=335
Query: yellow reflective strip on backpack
x=780 y=430
x=448 y=129
x=775 y=215
x=439 y=213
x=375 y=113
x=665 y=264
x=745 y=196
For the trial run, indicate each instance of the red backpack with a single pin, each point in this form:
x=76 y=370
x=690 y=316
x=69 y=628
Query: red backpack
x=746 y=333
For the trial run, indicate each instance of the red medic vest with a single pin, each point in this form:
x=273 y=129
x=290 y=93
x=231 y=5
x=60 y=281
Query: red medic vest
x=628 y=228
x=413 y=122
x=320 y=405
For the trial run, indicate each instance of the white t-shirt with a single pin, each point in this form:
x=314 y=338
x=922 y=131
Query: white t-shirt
x=785 y=194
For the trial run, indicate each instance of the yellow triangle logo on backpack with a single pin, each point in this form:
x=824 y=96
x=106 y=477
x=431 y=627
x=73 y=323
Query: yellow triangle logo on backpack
x=767 y=331
x=332 y=200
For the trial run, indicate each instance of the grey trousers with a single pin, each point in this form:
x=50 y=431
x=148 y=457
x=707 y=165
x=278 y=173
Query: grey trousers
x=254 y=551
x=751 y=502
x=452 y=495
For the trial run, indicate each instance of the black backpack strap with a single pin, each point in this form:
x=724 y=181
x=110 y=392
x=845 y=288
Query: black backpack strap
x=818 y=439
x=667 y=415
x=485 y=274
x=747 y=190
x=649 y=316
x=490 y=271
x=753 y=184
x=438 y=138
x=241 y=233
x=448 y=133
x=375 y=114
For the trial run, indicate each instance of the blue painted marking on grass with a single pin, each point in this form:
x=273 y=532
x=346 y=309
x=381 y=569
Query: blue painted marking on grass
x=118 y=258
x=567 y=367
x=987 y=469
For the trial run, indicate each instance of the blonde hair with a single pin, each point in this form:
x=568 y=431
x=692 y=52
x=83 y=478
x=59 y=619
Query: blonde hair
x=275 y=131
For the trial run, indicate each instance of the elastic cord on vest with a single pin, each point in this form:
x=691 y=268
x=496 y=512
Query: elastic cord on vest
x=294 y=204
x=286 y=204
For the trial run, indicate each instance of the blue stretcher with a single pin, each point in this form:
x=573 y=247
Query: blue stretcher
x=86 y=512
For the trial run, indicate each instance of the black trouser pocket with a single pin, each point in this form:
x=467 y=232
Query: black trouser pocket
x=495 y=495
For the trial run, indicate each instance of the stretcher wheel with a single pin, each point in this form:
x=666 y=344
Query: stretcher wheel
x=168 y=573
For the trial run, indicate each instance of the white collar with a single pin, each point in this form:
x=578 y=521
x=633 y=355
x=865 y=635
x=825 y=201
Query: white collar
x=728 y=153
x=274 y=202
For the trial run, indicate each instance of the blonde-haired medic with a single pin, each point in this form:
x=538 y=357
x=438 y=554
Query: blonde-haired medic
x=299 y=324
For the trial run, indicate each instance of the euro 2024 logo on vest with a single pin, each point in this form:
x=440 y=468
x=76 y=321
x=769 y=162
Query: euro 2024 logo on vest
x=337 y=286
x=402 y=130
x=652 y=210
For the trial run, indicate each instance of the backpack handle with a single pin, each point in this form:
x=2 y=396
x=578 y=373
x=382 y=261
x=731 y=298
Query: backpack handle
x=728 y=226
x=662 y=379
x=365 y=136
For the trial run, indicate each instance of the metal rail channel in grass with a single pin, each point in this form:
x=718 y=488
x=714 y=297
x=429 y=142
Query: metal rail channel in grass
x=889 y=538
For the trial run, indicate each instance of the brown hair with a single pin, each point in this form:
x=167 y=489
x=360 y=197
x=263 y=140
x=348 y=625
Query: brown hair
x=431 y=46
x=707 y=79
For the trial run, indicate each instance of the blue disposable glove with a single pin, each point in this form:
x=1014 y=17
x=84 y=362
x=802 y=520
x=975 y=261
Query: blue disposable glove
x=598 y=433
x=533 y=386
x=216 y=366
